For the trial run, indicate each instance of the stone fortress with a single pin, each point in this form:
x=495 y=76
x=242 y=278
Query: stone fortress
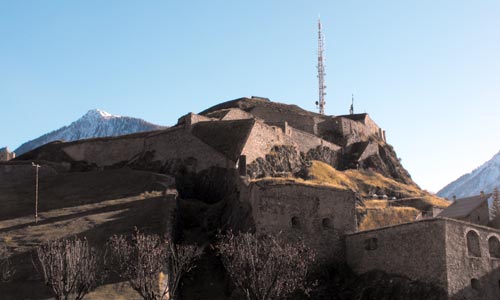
x=6 y=154
x=247 y=154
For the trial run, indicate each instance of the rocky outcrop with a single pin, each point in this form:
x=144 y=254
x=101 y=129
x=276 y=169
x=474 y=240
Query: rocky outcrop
x=281 y=161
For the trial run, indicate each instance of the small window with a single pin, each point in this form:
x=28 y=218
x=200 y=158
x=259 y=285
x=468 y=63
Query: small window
x=473 y=247
x=327 y=223
x=494 y=247
x=474 y=283
x=296 y=223
x=371 y=244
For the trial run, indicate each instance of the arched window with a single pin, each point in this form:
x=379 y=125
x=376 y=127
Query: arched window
x=473 y=247
x=494 y=247
x=327 y=223
x=296 y=223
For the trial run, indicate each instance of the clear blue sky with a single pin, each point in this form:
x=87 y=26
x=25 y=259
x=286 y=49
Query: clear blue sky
x=426 y=71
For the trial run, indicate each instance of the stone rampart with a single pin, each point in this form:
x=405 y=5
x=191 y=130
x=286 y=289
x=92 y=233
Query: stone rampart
x=172 y=144
x=23 y=172
x=321 y=215
x=415 y=250
x=473 y=260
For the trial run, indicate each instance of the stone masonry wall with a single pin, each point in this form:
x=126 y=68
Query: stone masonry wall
x=480 y=215
x=173 y=144
x=260 y=141
x=415 y=250
x=305 y=141
x=12 y=173
x=237 y=114
x=264 y=137
x=320 y=215
x=464 y=266
x=303 y=122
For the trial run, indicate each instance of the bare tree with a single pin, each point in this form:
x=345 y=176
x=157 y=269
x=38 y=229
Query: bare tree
x=6 y=269
x=142 y=259
x=181 y=260
x=69 y=267
x=265 y=268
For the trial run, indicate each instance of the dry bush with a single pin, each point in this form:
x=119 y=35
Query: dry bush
x=6 y=269
x=265 y=268
x=69 y=267
x=142 y=259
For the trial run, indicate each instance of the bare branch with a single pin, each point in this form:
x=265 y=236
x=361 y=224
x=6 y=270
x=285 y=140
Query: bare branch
x=69 y=267
x=265 y=268
x=146 y=259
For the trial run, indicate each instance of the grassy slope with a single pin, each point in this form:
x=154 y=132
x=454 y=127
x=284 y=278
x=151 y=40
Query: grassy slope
x=92 y=204
x=375 y=213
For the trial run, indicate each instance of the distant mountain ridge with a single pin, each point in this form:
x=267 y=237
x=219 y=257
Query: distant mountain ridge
x=95 y=123
x=485 y=178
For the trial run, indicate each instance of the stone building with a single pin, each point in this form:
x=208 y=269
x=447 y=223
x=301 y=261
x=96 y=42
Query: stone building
x=6 y=155
x=460 y=257
x=320 y=215
x=472 y=209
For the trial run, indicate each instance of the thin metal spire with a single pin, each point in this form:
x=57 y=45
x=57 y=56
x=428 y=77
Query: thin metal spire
x=351 y=110
x=321 y=71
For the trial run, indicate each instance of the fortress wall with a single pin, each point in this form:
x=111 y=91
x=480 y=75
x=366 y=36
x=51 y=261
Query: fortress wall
x=237 y=114
x=105 y=152
x=463 y=266
x=371 y=149
x=261 y=140
x=182 y=145
x=25 y=172
x=372 y=127
x=302 y=122
x=174 y=144
x=352 y=131
x=321 y=215
x=305 y=141
x=415 y=250
x=263 y=137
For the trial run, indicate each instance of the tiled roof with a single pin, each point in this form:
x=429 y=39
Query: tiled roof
x=463 y=207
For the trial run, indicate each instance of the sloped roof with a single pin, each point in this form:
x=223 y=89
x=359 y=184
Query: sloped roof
x=463 y=207
x=227 y=137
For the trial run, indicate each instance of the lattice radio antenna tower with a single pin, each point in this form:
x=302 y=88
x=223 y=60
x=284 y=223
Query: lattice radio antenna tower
x=321 y=72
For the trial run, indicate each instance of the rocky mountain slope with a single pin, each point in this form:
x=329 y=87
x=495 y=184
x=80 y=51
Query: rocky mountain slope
x=485 y=178
x=95 y=123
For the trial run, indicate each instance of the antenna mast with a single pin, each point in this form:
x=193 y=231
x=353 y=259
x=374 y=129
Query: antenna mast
x=351 y=110
x=321 y=72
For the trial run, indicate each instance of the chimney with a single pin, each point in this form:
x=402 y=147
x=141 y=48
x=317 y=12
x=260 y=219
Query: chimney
x=454 y=197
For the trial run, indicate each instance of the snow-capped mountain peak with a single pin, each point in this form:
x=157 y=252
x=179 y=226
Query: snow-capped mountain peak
x=484 y=178
x=95 y=123
x=98 y=113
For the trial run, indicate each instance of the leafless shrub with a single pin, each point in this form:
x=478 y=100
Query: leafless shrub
x=142 y=259
x=6 y=268
x=69 y=267
x=265 y=268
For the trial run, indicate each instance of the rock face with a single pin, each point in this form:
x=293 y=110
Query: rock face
x=95 y=123
x=484 y=178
